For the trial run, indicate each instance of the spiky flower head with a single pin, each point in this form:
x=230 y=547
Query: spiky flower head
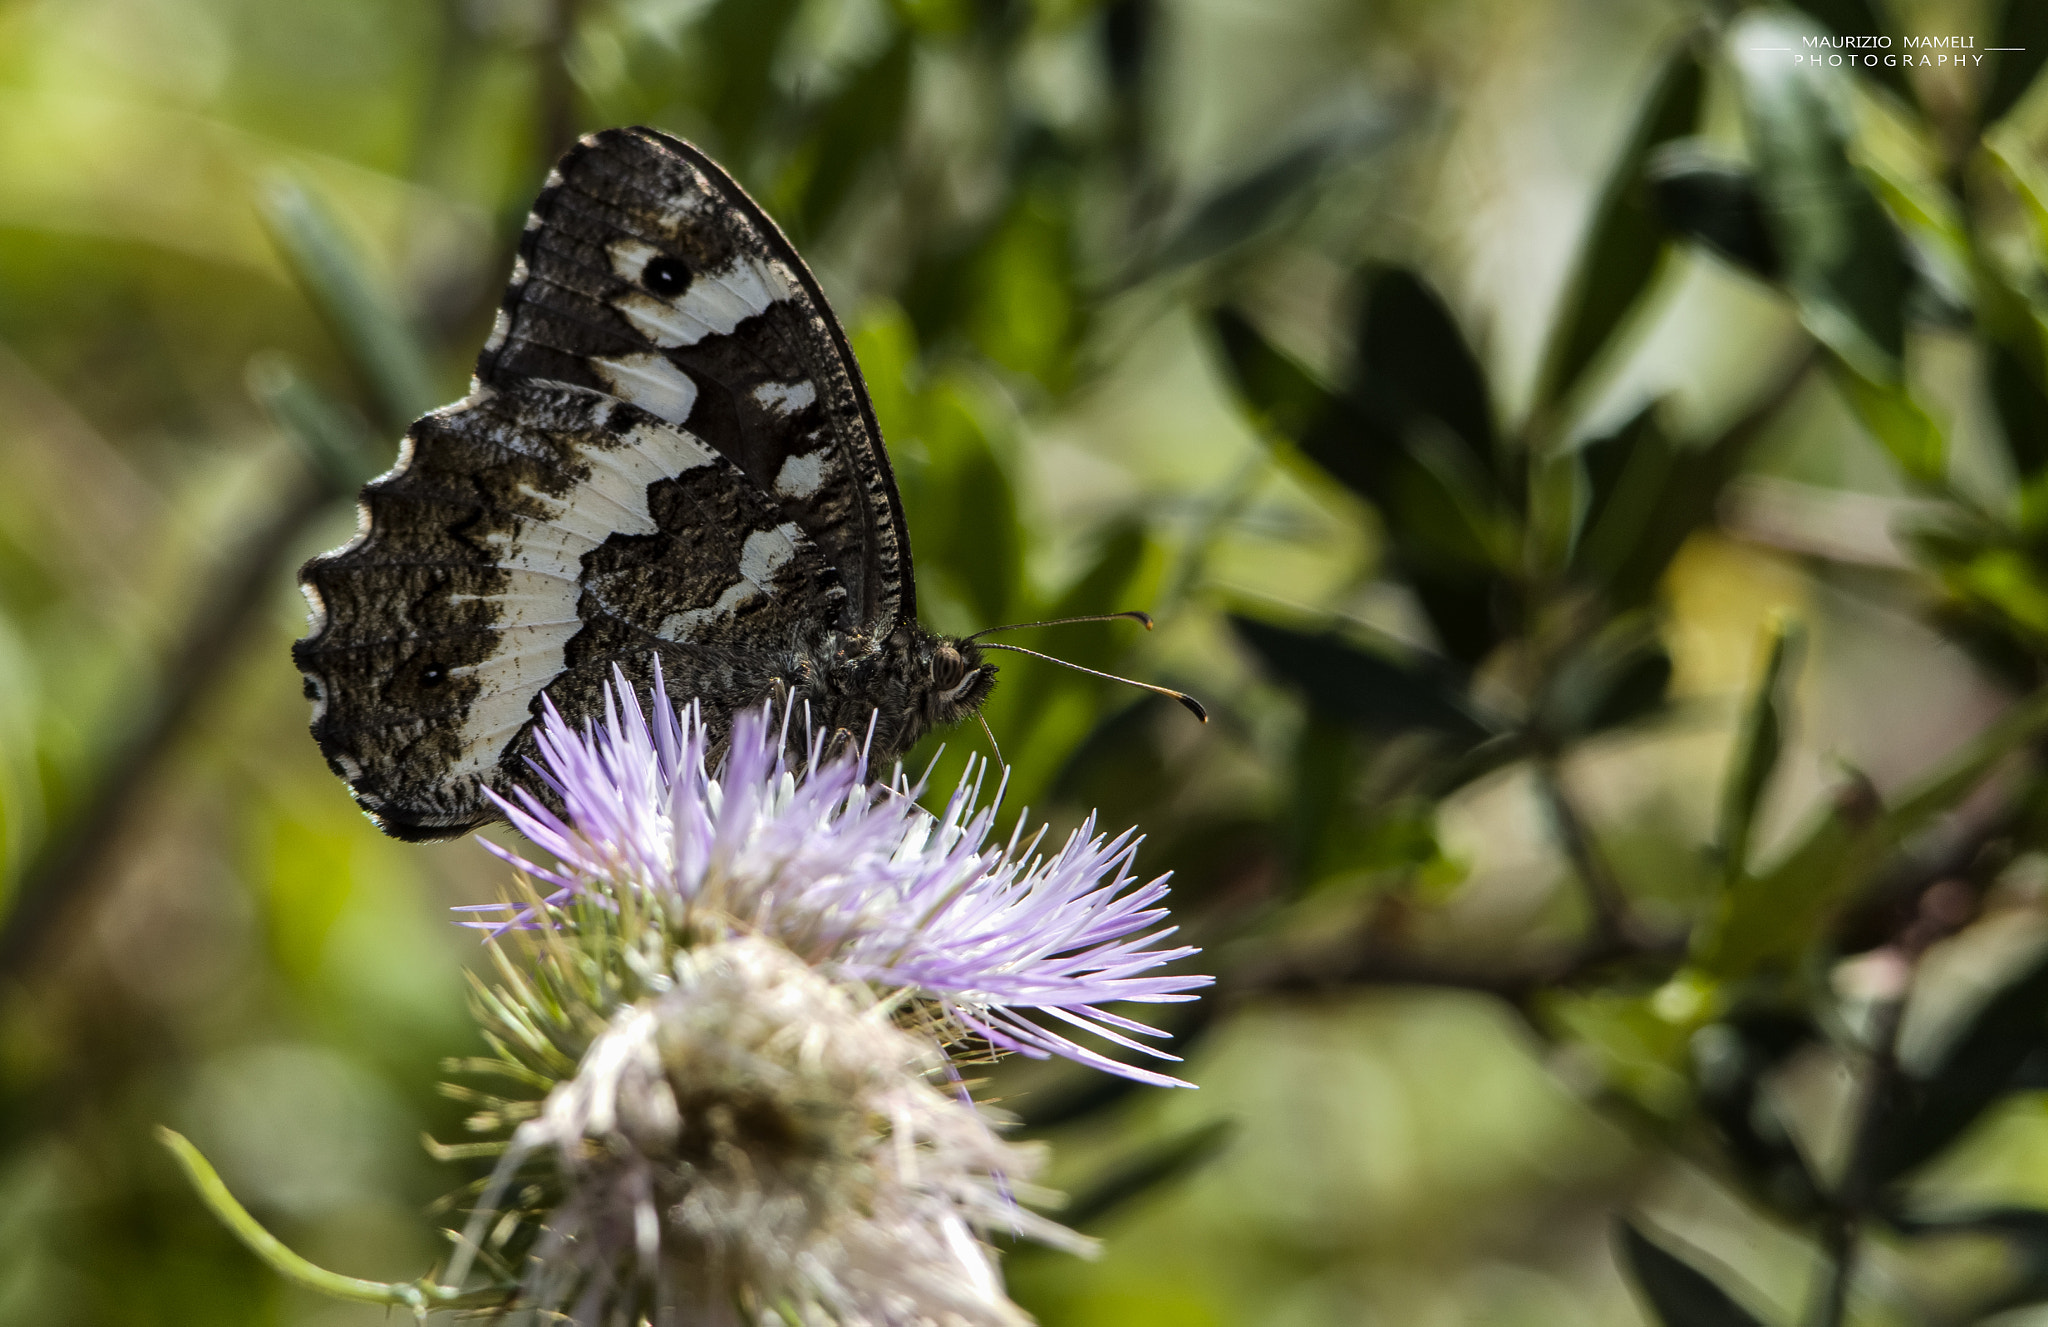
x=753 y=1144
x=727 y=1022
x=854 y=877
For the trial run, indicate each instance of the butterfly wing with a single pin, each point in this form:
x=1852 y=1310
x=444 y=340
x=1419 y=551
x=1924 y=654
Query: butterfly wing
x=535 y=538
x=648 y=274
x=669 y=451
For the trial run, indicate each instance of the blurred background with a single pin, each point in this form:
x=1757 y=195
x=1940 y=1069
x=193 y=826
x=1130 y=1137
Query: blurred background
x=1593 y=464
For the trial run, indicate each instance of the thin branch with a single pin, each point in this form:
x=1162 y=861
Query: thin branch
x=1378 y=965
x=1613 y=922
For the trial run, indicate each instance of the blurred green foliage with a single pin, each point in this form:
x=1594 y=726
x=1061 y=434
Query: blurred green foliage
x=1593 y=466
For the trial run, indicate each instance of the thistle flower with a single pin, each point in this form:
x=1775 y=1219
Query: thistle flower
x=855 y=878
x=729 y=1019
x=753 y=1144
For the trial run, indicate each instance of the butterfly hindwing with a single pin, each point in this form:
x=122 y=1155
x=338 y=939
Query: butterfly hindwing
x=648 y=274
x=534 y=538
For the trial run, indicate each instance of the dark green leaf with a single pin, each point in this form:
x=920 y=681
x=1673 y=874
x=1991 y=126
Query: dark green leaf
x=1843 y=261
x=1635 y=690
x=1256 y=202
x=862 y=120
x=2022 y=411
x=1414 y=360
x=1649 y=493
x=1731 y=1060
x=1624 y=472
x=1899 y=423
x=1128 y=35
x=1245 y=207
x=1326 y=766
x=1024 y=306
x=1357 y=686
x=1289 y=398
x=2022 y=44
x=1714 y=203
x=363 y=316
x=1680 y=1294
x=2031 y=1222
x=1974 y=1070
x=989 y=556
x=2025 y=1230
x=1616 y=677
x=1449 y=532
x=1147 y=1171
x=1621 y=245
x=740 y=85
x=1758 y=744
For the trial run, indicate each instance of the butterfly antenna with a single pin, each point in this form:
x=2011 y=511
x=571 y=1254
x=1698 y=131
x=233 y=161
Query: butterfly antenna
x=1128 y=615
x=1194 y=706
x=992 y=745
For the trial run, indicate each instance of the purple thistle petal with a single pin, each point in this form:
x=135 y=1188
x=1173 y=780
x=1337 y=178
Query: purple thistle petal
x=852 y=876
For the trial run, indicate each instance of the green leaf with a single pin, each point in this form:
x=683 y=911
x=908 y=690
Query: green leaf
x=2025 y=1232
x=1244 y=208
x=1025 y=311
x=1843 y=263
x=331 y=436
x=2012 y=154
x=1975 y=1069
x=1147 y=1171
x=2023 y=44
x=984 y=546
x=1758 y=743
x=1448 y=535
x=1715 y=203
x=1895 y=419
x=1105 y=587
x=1286 y=396
x=1769 y=918
x=1614 y=678
x=1623 y=241
x=362 y=314
x=1648 y=493
x=853 y=127
x=738 y=86
x=1414 y=360
x=1732 y=1060
x=2022 y=410
x=1679 y=1293
x=1373 y=691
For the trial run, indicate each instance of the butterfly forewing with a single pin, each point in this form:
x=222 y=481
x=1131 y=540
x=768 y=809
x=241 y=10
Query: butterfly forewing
x=668 y=454
x=648 y=274
x=536 y=538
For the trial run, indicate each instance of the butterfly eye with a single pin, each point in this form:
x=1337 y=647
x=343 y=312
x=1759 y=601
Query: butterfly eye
x=432 y=676
x=948 y=668
x=665 y=276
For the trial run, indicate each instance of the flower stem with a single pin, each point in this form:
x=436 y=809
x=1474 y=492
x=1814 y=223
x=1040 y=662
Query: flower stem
x=420 y=1296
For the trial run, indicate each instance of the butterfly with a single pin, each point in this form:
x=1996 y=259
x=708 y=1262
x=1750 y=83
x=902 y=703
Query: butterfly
x=667 y=454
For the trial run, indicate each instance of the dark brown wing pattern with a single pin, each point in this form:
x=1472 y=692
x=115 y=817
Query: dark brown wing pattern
x=533 y=539
x=647 y=273
x=668 y=451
